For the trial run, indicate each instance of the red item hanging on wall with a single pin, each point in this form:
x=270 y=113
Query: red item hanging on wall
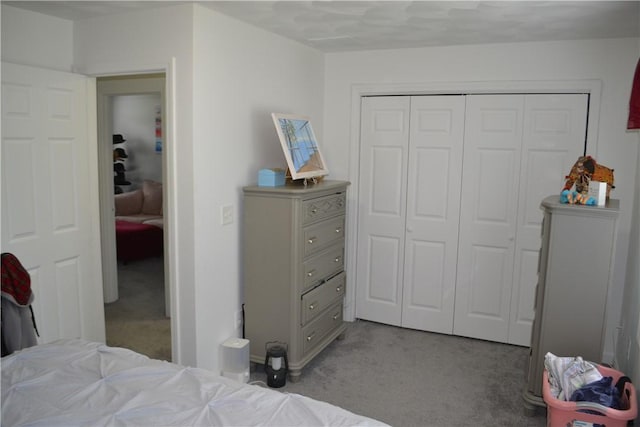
x=634 y=102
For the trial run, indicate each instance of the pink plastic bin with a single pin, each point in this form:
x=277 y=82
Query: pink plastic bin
x=563 y=414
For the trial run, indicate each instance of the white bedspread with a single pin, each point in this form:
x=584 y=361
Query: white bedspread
x=73 y=382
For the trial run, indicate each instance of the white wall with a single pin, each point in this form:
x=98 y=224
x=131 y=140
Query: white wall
x=224 y=95
x=30 y=38
x=241 y=75
x=222 y=135
x=610 y=61
x=628 y=349
x=134 y=117
x=151 y=41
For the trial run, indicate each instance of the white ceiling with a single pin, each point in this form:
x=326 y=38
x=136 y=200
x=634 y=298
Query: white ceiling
x=361 y=25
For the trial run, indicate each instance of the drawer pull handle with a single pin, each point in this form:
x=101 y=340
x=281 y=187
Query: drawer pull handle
x=310 y=336
x=339 y=288
x=336 y=316
x=338 y=230
x=312 y=306
x=311 y=240
x=337 y=259
x=314 y=211
x=311 y=273
x=340 y=203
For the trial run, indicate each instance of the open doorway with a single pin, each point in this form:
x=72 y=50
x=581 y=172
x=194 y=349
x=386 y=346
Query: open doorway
x=131 y=158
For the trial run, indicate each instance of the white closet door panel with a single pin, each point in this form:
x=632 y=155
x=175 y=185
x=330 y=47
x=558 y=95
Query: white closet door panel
x=554 y=135
x=493 y=134
x=427 y=260
x=382 y=208
x=383 y=276
x=484 y=302
x=433 y=209
x=525 y=276
x=388 y=182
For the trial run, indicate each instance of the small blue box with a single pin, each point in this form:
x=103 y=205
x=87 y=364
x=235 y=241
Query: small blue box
x=271 y=177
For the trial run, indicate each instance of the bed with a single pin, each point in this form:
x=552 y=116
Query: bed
x=76 y=382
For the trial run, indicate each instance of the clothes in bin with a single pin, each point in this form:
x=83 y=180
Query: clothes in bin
x=607 y=405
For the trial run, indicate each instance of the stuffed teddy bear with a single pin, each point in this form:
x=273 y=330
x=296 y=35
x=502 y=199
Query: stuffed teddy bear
x=576 y=187
x=586 y=169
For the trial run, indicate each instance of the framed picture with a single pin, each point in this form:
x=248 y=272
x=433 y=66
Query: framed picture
x=300 y=146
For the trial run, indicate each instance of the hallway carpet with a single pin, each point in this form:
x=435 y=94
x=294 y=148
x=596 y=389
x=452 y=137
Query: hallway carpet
x=137 y=319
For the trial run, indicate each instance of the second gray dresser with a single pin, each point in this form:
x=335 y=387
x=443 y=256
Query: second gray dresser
x=294 y=278
x=575 y=269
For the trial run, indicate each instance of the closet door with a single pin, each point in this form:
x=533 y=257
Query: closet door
x=433 y=209
x=518 y=148
x=554 y=135
x=384 y=142
x=490 y=183
x=450 y=249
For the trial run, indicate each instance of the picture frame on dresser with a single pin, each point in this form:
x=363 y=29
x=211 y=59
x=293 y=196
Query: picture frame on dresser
x=300 y=146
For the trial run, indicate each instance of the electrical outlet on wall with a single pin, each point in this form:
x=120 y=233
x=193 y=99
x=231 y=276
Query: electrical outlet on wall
x=226 y=214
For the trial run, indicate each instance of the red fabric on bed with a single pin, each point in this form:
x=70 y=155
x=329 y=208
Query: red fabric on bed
x=137 y=241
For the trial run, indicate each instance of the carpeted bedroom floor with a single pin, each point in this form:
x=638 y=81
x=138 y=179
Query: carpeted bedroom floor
x=399 y=376
x=412 y=378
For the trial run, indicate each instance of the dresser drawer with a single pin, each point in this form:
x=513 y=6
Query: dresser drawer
x=323 y=207
x=321 y=266
x=323 y=234
x=313 y=333
x=317 y=300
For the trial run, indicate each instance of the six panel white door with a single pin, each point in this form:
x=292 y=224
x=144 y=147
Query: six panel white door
x=49 y=215
x=433 y=210
x=381 y=208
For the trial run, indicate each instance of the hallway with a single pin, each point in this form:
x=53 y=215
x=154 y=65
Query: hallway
x=137 y=319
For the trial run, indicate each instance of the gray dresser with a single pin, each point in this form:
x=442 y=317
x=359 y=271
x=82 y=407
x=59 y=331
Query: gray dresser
x=294 y=278
x=575 y=268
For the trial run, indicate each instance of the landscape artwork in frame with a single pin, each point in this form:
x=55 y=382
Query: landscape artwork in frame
x=300 y=146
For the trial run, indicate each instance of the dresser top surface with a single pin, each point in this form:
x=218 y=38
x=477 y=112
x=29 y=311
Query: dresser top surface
x=552 y=203
x=294 y=188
